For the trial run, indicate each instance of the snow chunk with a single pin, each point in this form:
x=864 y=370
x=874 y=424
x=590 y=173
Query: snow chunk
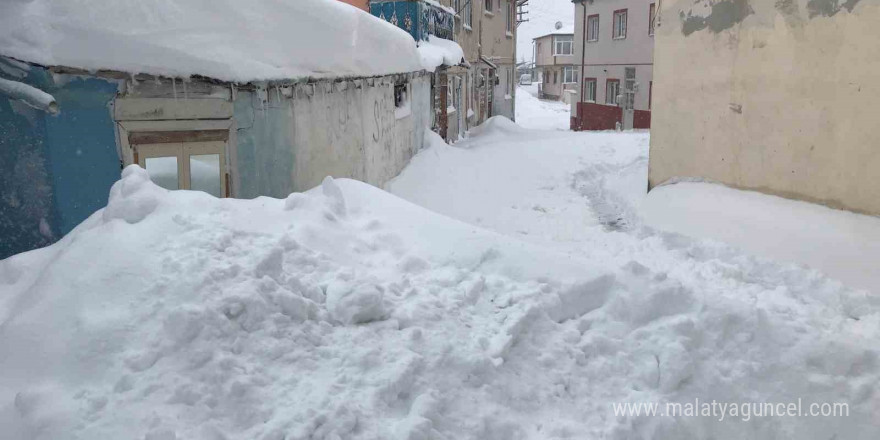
x=355 y=304
x=581 y=298
x=497 y=125
x=133 y=197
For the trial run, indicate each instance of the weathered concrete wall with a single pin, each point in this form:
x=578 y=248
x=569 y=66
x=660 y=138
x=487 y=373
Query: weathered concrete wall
x=289 y=139
x=779 y=97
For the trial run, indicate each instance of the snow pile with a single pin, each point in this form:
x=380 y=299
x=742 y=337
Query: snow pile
x=438 y=51
x=535 y=113
x=682 y=318
x=497 y=126
x=223 y=39
x=345 y=312
x=840 y=243
x=325 y=315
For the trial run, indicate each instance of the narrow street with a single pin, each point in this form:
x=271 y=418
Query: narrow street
x=584 y=193
x=439 y=220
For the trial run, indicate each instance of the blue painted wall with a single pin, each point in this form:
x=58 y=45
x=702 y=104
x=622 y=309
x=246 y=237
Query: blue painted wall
x=419 y=19
x=83 y=159
x=55 y=171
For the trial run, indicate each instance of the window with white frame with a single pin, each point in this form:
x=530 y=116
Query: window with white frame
x=509 y=16
x=175 y=162
x=468 y=13
x=570 y=74
x=590 y=89
x=562 y=44
x=652 y=18
x=488 y=6
x=593 y=28
x=619 y=24
x=449 y=94
x=612 y=89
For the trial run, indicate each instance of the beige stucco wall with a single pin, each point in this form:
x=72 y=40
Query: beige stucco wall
x=779 y=97
x=499 y=46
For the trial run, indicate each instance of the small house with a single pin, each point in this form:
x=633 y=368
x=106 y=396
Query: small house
x=261 y=101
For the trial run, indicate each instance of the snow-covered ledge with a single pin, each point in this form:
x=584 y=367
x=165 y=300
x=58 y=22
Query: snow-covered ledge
x=31 y=96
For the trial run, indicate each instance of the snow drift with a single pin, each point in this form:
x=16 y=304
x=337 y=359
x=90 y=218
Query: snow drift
x=345 y=312
x=229 y=40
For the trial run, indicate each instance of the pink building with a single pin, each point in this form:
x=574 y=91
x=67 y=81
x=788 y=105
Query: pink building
x=614 y=49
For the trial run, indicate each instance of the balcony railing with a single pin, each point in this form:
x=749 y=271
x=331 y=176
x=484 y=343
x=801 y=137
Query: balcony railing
x=418 y=17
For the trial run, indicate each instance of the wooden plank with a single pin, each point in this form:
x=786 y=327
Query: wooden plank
x=155 y=109
x=167 y=137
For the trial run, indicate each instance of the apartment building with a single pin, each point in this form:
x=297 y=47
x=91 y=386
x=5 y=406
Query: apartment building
x=555 y=63
x=486 y=31
x=484 y=85
x=614 y=47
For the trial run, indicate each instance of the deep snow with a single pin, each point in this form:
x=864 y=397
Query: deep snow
x=535 y=300
x=543 y=114
x=240 y=41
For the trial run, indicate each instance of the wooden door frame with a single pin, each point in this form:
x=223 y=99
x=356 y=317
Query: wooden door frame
x=124 y=129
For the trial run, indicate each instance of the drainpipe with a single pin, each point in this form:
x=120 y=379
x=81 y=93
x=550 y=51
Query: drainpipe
x=31 y=96
x=583 y=49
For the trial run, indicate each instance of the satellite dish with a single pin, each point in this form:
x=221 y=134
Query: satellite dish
x=558 y=25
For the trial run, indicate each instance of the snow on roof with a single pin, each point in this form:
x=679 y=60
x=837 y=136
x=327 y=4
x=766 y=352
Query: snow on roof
x=228 y=40
x=565 y=30
x=438 y=51
x=437 y=4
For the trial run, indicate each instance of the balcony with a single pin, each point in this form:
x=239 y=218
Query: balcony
x=419 y=18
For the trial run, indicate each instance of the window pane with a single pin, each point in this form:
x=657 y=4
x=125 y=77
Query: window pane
x=163 y=171
x=204 y=173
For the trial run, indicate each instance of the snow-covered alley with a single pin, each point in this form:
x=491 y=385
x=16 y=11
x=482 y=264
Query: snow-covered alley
x=537 y=301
